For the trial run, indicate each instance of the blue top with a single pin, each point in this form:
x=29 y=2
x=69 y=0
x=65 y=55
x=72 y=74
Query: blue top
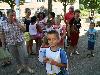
x=63 y=56
x=92 y=33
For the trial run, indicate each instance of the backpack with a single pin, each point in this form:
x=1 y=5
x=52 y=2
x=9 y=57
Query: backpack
x=64 y=71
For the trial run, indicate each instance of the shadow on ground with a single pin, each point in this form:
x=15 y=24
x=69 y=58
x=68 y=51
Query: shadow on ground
x=78 y=65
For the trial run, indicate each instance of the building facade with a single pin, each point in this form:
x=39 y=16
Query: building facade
x=34 y=5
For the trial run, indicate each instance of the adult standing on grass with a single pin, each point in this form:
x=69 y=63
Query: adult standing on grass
x=12 y=31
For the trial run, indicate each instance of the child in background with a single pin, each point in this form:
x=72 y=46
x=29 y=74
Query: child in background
x=56 y=58
x=32 y=31
x=43 y=48
x=50 y=22
x=92 y=34
x=52 y=18
x=59 y=28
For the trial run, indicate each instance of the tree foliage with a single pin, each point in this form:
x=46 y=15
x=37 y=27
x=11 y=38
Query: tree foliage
x=67 y=1
x=90 y=4
x=12 y=2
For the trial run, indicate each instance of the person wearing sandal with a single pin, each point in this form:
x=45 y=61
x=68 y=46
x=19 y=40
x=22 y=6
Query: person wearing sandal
x=12 y=31
x=27 y=21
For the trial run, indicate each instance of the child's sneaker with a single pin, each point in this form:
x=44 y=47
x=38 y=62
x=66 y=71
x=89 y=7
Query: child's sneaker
x=19 y=71
x=88 y=55
x=30 y=70
x=71 y=54
x=76 y=52
x=92 y=55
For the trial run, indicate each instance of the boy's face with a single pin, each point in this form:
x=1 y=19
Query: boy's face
x=91 y=26
x=77 y=14
x=53 y=40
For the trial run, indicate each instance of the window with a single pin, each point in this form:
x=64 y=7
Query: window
x=28 y=1
x=40 y=0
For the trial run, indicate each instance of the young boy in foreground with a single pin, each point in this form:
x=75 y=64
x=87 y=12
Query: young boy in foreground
x=55 y=58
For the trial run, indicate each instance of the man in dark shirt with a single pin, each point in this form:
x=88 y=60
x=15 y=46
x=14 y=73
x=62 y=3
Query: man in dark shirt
x=73 y=31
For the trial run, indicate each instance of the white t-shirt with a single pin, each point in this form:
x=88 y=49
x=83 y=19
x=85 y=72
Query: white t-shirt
x=32 y=29
x=49 y=29
x=41 y=23
x=51 y=69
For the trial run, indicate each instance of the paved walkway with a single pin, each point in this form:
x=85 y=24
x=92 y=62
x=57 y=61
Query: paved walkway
x=82 y=65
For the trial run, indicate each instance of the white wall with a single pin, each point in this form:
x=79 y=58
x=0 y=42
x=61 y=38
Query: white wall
x=57 y=6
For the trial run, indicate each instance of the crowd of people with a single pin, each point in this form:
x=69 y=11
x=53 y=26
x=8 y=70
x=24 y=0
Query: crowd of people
x=49 y=36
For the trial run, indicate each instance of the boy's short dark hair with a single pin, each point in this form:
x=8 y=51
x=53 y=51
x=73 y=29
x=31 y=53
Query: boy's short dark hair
x=92 y=23
x=33 y=19
x=52 y=14
x=53 y=32
x=77 y=11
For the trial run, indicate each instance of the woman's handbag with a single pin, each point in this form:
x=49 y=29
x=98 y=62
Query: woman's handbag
x=27 y=36
x=4 y=53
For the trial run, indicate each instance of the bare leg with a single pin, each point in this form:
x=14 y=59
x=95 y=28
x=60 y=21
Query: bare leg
x=75 y=50
x=38 y=45
x=29 y=46
x=71 y=50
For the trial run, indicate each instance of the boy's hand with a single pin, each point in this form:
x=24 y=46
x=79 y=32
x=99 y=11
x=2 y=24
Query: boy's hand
x=53 y=62
x=46 y=60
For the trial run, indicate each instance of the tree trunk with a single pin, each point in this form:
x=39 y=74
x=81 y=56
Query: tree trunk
x=64 y=4
x=49 y=6
x=49 y=10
